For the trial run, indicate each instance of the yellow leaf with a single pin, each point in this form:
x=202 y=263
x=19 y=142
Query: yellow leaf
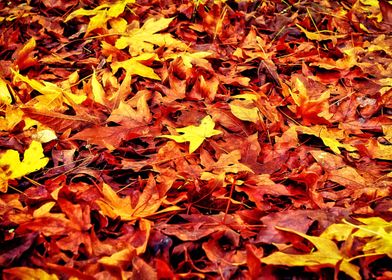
x=383 y=152
x=245 y=114
x=27 y=273
x=378 y=233
x=97 y=21
x=134 y=66
x=97 y=89
x=387 y=130
x=144 y=39
x=190 y=59
x=119 y=258
x=327 y=254
x=53 y=96
x=386 y=85
x=371 y=8
x=195 y=135
x=44 y=209
x=320 y=37
x=14 y=115
x=101 y=14
x=13 y=168
x=329 y=137
x=5 y=95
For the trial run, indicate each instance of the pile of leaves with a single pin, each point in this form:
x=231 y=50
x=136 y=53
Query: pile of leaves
x=173 y=139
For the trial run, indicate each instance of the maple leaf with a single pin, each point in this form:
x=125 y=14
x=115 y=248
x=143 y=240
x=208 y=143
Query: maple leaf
x=245 y=109
x=329 y=137
x=320 y=36
x=140 y=40
x=125 y=113
x=191 y=58
x=24 y=58
x=312 y=111
x=27 y=273
x=134 y=66
x=195 y=135
x=380 y=233
x=5 y=95
x=101 y=14
x=13 y=168
x=52 y=96
x=97 y=90
x=327 y=254
x=227 y=163
x=149 y=201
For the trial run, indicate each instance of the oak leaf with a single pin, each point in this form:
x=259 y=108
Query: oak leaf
x=195 y=135
x=33 y=160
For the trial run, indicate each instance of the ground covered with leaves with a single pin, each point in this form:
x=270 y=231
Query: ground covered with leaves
x=195 y=139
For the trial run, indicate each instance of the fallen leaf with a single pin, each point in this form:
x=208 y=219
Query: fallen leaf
x=195 y=135
x=328 y=136
x=320 y=36
x=134 y=66
x=327 y=254
x=144 y=39
x=27 y=273
x=33 y=160
x=380 y=233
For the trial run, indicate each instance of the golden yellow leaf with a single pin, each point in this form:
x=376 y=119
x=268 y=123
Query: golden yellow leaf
x=13 y=168
x=14 y=115
x=27 y=273
x=119 y=258
x=326 y=254
x=5 y=95
x=378 y=234
x=97 y=89
x=101 y=14
x=144 y=39
x=52 y=96
x=328 y=136
x=244 y=113
x=149 y=202
x=383 y=151
x=195 y=135
x=189 y=59
x=320 y=36
x=134 y=66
